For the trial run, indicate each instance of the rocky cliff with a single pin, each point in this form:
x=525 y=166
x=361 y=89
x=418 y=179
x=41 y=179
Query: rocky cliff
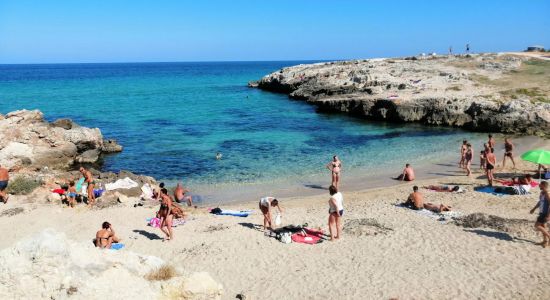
x=27 y=140
x=490 y=92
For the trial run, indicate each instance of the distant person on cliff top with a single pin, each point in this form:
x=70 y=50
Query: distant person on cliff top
x=467 y=48
x=89 y=179
x=335 y=167
x=508 y=152
x=407 y=175
x=105 y=237
x=4 y=179
x=179 y=195
x=463 y=149
x=491 y=164
x=468 y=157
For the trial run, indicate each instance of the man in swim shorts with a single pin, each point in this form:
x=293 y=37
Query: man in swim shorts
x=491 y=163
x=179 y=195
x=91 y=183
x=4 y=178
x=407 y=175
x=508 y=152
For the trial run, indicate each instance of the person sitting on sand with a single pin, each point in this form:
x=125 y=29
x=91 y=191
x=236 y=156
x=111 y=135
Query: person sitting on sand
x=105 y=237
x=443 y=188
x=179 y=195
x=415 y=200
x=71 y=193
x=165 y=214
x=4 y=179
x=544 y=213
x=335 y=213
x=407 y=175
x=265 y=206
x=508 y=152
x=491 y=163
x=91 y=183
x=335 y=167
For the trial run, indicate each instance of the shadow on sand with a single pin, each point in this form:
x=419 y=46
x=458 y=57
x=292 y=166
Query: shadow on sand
x=315 y=186
x=492 y=234
x=149 y=235
x=252 y=226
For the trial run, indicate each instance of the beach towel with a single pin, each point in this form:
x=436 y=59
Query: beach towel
x=311 y=236
x=492 y=190
x=78 y=185
x=443 y=217
x=155 y=222
x=59 y=191
x=125 y=183
x=117 y=246
x=146 y=192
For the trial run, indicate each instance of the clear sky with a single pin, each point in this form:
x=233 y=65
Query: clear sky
x=51 y=31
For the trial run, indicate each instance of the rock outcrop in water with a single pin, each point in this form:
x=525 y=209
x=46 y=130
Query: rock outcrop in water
x=27 y=140
x=498 y=93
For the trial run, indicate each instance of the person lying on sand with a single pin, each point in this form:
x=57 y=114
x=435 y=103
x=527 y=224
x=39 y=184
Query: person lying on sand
x=335 y=213
x=415 y=200
x=544 y=213
x=526 y=180
x=407 y=175
x=517 y=189
x=443 y=188
x=265 y=206
x=436 y=208
x=4 y=179
x=105 y=237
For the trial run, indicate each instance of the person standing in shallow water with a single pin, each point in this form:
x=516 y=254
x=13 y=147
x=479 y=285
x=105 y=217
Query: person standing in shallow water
x=508 y=152
x=335 y=167
x=468 y=157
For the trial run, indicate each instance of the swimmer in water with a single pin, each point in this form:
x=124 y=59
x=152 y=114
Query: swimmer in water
x=219 y=156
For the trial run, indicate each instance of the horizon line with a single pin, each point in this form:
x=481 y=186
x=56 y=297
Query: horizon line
x=160 y=62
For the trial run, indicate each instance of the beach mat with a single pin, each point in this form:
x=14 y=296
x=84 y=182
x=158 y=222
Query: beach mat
x=311 y=237
x=117 y=246
x=228 y=212
x=443 y=217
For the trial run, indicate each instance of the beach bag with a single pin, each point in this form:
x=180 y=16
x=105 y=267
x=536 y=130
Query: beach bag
x=285 y=238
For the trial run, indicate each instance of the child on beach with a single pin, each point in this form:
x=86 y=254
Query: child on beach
x=544 y=212
x=482 y=160
x=71 y=193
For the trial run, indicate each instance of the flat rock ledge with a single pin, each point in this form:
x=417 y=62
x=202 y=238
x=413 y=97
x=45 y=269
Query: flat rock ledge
x=28 y=141
x=429 y=90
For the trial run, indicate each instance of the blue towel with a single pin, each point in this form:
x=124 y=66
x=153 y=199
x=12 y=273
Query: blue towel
x=117 y=246
x=489 y=190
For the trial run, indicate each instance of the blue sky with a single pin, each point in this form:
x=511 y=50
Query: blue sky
x=50 y=31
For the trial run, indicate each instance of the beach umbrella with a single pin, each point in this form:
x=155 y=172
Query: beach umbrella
x=538 y=156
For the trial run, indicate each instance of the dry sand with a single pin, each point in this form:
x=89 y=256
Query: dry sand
x=386 y=251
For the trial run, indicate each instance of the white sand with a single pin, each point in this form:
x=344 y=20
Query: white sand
x=419 y=258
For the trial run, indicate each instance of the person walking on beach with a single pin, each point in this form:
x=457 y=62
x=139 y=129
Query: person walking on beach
x=4 y=179
x=463 y=149
x=91 y=183
x=468 y=157
x=544 y=212
x=491 y=163
x=407 y=175
x=508 y=152
x=179 y=195
x=335 y=213
x=266 y=203
x=335 y=167
x=105 y=237
x=165 y=214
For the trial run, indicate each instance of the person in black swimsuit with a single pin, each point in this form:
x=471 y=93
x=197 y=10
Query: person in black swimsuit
x=165 y=214
x=508 y=152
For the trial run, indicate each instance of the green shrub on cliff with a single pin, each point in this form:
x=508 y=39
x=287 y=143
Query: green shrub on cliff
x=23 y=185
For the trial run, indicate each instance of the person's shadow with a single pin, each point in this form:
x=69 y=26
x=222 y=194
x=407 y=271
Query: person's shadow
x=315 y=186
x=252 y=226
x=147 y=234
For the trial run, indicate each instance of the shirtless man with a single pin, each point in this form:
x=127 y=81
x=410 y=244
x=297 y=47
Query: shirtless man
x=462 y=152
x=407 y=175
x=179 y=195
x=491 y=163
x=508 y=152
x=4 y=178
x=491 y=143
x=89 y=179
x=415 y=200
x=105 y=237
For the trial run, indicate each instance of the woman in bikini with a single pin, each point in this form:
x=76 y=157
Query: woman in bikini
x=91 y=183
x=468 y=157
x=165 y=214
x=105 y=237
x=335 y=166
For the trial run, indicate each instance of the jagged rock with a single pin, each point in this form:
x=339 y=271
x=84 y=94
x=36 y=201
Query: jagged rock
x=84 y=138
x=15 y=154
x=89 y=156
x=111 y=146
x=63 y=123
x=435 y=91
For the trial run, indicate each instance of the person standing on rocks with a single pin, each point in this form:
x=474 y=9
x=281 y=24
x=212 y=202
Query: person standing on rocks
x=467 y=48
x=89 y=179
x=508 y=152
x=491 y=163
x=4 y=178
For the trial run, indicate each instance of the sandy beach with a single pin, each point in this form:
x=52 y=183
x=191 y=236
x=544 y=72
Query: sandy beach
x=386 y=251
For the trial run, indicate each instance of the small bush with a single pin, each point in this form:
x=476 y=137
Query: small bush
x=164 y=272
x=22 y=185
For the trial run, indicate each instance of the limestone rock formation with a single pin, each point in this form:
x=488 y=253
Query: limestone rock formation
x=27 y=140
x=490 y=92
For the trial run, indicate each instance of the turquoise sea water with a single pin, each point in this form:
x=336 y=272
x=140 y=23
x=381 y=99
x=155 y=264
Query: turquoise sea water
x=172 y=119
